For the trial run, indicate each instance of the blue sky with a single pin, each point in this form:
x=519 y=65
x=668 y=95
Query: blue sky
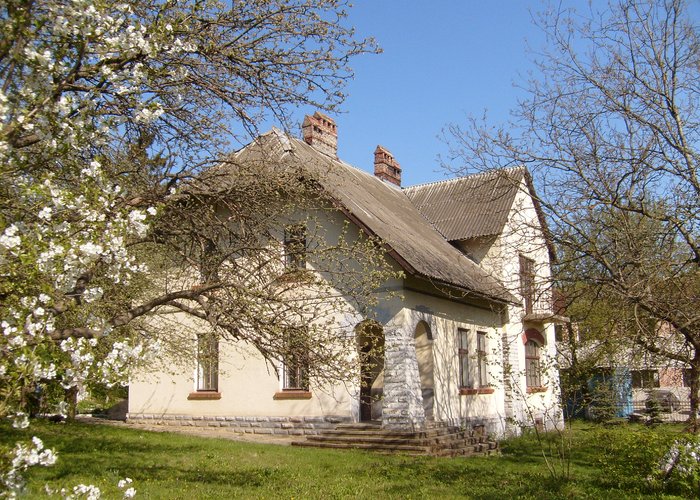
x=442 y=60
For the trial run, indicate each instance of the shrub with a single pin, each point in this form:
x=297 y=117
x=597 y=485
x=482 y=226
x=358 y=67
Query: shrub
x=630 y=454
x=679 y=469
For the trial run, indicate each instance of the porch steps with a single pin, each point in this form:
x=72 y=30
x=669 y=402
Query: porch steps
x=437 y=440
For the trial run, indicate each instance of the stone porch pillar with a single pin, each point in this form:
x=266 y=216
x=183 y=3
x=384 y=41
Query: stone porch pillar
x=402 y=407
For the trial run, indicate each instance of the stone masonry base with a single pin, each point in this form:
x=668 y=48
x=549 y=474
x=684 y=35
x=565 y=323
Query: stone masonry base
x=284 y=426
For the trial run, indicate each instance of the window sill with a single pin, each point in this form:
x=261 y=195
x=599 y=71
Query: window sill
x=292 y=394
x=204 y=396
x=296 y=276
x=534 y=390
x=472 y=392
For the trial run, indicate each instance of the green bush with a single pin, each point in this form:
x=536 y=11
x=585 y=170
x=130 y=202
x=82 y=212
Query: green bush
x=631 y=454
x=679 y=469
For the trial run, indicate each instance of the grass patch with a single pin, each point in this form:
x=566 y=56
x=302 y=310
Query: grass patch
x=605 y=462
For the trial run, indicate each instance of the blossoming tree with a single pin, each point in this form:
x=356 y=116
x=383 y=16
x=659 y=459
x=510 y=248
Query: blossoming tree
x=106 y=107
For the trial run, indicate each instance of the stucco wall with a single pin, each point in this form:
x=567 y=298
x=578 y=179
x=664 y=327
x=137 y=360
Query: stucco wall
x=522 y=235
x=444 y=318
x=248 y=385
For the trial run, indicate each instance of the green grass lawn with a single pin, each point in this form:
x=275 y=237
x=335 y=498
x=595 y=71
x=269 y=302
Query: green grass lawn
x=605 y=463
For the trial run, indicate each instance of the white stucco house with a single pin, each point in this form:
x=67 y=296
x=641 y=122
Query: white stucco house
x=468 y=333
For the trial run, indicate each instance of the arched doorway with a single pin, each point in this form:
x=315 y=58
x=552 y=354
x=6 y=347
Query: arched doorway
x=424 y=353
x=370 y=346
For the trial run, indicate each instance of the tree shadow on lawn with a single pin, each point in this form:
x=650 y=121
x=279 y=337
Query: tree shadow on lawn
x=106 y=455
x=474 y=477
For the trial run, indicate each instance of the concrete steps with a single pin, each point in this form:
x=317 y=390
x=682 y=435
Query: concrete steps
x=437 y=440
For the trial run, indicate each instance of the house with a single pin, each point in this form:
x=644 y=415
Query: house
x=467 y=331
x=608 y=375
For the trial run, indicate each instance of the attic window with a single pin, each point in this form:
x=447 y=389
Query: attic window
x=295 y=247
x=527 y=283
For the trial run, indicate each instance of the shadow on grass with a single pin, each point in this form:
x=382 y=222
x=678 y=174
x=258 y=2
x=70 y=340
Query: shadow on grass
x=176 y=466
x=133 y=452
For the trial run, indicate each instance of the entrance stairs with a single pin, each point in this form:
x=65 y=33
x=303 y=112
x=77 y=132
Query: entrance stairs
x=437 y=439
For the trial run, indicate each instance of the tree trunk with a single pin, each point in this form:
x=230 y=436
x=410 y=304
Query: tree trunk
x=694 y=386
x=72 y=400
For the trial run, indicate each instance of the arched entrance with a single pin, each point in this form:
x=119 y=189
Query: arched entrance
x=370 y=346
x=424 y=353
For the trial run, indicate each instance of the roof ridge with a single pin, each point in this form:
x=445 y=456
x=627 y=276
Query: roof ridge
x=469 y=176
x=340 y=161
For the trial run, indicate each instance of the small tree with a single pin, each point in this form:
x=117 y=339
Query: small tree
x=610 y=128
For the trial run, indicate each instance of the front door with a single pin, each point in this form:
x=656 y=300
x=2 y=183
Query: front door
x=371 y=343
x=366 y=396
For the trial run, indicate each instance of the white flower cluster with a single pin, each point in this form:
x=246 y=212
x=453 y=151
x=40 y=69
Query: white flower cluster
x=82 y=359
x=73 y=231
x=92 y=492
x=116 y=365
x=20 y=420
x=682 y=459
x=125 y=484
x=66 y=218
x=10 y=238
x=114 y=33
x=23 y=457
x=86 y=491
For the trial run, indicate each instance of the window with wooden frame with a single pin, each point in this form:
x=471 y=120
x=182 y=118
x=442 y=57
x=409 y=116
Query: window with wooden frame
x=533 y=371
x=534 y=342
x=296 y=373
x=473 y=374
x=482 y=378
x=463 y=354
x=207 y=362
x=527 y=283
x=645 y=379
x=295 y=247
x=296 y=361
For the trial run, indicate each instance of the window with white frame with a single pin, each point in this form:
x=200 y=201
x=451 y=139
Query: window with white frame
x=207 y=362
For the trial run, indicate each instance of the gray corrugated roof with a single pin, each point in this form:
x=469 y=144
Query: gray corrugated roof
x=385 y=211
x=468 y=207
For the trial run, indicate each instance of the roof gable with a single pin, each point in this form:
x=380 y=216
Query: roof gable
x=383 y=211
x=471 y=206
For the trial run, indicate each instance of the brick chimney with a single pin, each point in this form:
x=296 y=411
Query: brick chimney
x=386 y=167
x=321 y=133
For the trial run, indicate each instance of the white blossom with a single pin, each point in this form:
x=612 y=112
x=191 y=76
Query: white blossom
x=23 y=457
x=20 y=421
x=45 y=213
x=123 y=483
x=87 y=491
x=91 y=249
x=9 y=238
